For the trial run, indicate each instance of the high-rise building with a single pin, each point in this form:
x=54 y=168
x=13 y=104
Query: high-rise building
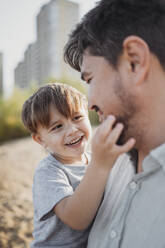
x=31 y=63
x=43 y=60
x=26 y=71
x=54 y=23
x=20 y=75
x=1 y=75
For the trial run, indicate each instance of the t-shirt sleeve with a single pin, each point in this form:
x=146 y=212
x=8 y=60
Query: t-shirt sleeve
x=49 y=187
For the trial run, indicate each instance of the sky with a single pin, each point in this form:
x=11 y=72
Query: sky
x=18 y=30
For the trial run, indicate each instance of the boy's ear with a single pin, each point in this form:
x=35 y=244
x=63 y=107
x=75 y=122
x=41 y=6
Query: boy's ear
x=37 y=138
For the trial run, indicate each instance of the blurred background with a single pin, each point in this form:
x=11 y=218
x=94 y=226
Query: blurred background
x=33 y=35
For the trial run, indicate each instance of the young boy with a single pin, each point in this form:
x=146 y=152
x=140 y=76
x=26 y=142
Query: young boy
x=64 y=203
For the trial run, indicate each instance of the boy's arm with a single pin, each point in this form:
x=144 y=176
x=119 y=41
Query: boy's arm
x=78 y=210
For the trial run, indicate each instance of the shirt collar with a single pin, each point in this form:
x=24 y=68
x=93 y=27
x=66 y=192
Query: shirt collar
x=155 y=159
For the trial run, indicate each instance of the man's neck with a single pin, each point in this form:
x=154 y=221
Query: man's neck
x=141 y=157
x=137 y=158
x=145 y=151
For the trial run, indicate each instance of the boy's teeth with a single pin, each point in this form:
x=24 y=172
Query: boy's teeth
x=74 y=141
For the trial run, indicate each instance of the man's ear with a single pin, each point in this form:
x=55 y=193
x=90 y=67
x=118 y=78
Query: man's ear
x=137 y=54
x=37 y=138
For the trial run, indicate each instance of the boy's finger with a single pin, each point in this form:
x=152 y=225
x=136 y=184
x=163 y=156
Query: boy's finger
x=115 y=134
x=127 y=146
x=106 y=127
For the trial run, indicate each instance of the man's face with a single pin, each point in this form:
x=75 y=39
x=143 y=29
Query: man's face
x=109 y=93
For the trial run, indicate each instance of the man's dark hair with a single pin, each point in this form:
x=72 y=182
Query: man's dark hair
x=104 y=28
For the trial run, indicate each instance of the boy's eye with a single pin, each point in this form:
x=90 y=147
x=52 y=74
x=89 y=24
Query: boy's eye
x=77 y=117
x=56 y=127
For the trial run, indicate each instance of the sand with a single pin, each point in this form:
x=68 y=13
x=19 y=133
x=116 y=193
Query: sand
x=18 y=160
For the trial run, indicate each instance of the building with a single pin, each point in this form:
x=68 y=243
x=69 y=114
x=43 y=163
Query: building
x=26 y=72
x=43 y=60
x=1 y=75
x=54 y=23
x=20 y=75
x=31 y=63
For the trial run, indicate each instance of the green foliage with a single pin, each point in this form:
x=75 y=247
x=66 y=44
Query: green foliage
x=11 y=126
x=93 y=118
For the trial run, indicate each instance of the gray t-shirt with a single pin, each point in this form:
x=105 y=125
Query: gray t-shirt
x=54 y=181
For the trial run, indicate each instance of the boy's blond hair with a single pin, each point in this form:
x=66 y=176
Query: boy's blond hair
x=36 y=109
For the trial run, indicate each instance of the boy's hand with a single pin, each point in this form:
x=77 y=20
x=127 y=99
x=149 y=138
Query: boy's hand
x=105 y=151
x=89 y=193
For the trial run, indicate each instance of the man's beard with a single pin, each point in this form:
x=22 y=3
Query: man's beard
x=127 y=111
x=125 y=135
x=127 y=116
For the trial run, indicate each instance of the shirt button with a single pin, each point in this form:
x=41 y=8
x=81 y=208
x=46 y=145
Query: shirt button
x=113 y=234
x=133 y=185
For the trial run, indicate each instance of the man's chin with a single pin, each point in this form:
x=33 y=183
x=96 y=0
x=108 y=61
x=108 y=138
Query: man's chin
x=133 y=153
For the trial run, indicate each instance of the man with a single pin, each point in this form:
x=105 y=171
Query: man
x=119 y=47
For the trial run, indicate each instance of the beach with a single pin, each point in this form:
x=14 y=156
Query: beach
x=18 y=160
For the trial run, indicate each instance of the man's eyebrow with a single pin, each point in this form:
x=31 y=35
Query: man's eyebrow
x=84 y=75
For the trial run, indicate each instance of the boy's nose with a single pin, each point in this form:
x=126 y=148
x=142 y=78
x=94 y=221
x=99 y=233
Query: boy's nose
x=72 y=129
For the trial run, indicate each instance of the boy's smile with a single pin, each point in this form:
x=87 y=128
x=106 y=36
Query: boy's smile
x=75 y=141
x=66 y=138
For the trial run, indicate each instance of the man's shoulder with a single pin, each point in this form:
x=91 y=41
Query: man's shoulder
x=122 y=170
x=122 y=163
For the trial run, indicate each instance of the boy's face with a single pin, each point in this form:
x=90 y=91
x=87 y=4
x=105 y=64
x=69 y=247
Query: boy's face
x=66 y=138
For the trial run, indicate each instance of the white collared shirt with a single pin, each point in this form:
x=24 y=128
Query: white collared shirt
x=132 y=214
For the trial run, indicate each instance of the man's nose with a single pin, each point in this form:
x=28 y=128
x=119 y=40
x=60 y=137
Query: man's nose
x=90 y=99
x=91 y=104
